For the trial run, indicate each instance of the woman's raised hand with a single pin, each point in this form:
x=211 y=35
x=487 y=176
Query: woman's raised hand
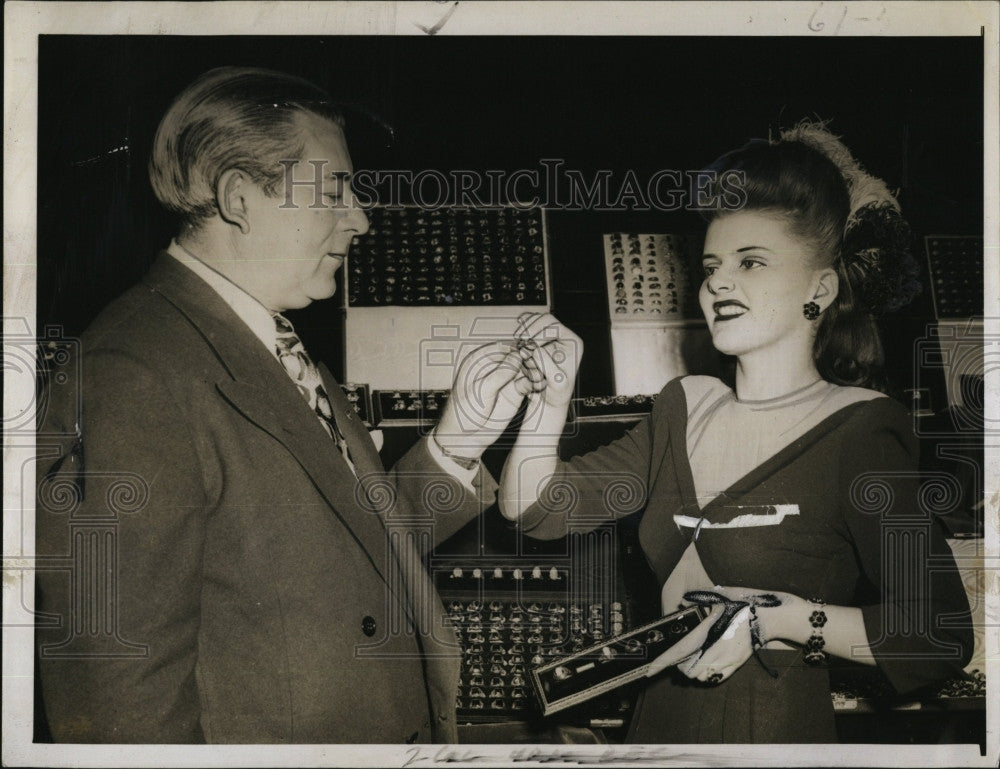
x=550 y=355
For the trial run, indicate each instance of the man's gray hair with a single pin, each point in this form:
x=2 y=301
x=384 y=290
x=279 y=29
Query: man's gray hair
x=231 y=117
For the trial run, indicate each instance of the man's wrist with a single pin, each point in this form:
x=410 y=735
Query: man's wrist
x=465 y=458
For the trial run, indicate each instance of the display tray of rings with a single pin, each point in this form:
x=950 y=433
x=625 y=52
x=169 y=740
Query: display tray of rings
x=531 y=649
x=595 y=408
x=407 y=408
x=449 y=257
x=868 y=691
x=511 y=620
x=605 y=666
x=648 y=277
x=955 y=265
x=657 y=327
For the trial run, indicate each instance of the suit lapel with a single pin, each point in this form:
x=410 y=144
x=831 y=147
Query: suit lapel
x=363 y=452
x=262 y=392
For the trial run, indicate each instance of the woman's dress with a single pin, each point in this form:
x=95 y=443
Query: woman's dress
x=819 y=499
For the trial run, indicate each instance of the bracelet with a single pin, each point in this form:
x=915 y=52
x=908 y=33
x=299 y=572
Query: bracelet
x=814 y=646
x=466 y=463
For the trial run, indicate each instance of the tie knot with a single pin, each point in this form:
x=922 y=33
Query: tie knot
x=286 y=339
x=282 y=325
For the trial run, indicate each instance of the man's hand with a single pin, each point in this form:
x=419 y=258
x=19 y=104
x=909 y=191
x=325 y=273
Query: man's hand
x=492 y=381
x=488 y=391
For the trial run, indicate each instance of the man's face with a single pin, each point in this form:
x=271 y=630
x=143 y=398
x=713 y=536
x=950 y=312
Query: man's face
x=300 y=236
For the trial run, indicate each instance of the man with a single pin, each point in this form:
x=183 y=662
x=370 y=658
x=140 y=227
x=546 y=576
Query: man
x=263 y=582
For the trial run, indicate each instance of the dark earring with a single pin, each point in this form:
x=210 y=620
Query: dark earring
x=810 y=310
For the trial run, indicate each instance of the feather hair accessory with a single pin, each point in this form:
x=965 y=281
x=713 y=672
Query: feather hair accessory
x=876 y=252
x=864 y=188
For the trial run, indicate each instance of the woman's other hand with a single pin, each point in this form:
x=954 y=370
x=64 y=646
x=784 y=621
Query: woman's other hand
x=718 y=661
x=699 y=657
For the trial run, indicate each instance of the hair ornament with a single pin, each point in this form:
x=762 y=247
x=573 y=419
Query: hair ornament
x=878 y=259
x=876 y=252
x=864 y=188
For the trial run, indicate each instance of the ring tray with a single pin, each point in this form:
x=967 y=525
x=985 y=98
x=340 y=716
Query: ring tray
x=597 y=669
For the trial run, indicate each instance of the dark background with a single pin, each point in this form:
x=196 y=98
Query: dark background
x=910 y=108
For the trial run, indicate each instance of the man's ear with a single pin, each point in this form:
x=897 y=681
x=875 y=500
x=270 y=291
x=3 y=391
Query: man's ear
x=827 y=287
x=231 y=198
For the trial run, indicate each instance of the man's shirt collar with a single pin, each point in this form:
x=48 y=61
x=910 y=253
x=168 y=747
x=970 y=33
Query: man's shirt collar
x=255 y=315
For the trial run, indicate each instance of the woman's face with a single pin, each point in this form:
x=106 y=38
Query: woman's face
x=758 y=275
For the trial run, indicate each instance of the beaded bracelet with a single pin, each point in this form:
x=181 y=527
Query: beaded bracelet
x=814 y=646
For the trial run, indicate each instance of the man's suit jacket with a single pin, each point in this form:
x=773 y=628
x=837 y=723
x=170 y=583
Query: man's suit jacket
x=222 y=576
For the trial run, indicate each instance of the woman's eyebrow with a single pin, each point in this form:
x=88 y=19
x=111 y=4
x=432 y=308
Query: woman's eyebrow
x=739 y=251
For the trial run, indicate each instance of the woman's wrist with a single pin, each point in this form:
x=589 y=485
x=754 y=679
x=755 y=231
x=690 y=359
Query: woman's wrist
x=542 y=426
x=789 y=621
x=818 y=628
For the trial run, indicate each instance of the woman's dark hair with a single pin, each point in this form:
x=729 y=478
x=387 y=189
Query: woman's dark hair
x=802 y=179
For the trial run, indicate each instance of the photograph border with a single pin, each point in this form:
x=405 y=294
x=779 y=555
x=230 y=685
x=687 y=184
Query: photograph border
x=25 y=21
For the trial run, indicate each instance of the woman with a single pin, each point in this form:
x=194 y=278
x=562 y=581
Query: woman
x=789 y=504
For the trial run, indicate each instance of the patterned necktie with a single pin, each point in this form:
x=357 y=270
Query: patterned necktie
x=303 y=371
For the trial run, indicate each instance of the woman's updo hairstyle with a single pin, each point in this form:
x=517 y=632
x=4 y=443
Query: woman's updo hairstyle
x=808 y=178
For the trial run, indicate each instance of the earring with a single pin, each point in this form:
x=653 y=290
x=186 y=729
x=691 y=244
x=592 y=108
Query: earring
x=810 y=310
